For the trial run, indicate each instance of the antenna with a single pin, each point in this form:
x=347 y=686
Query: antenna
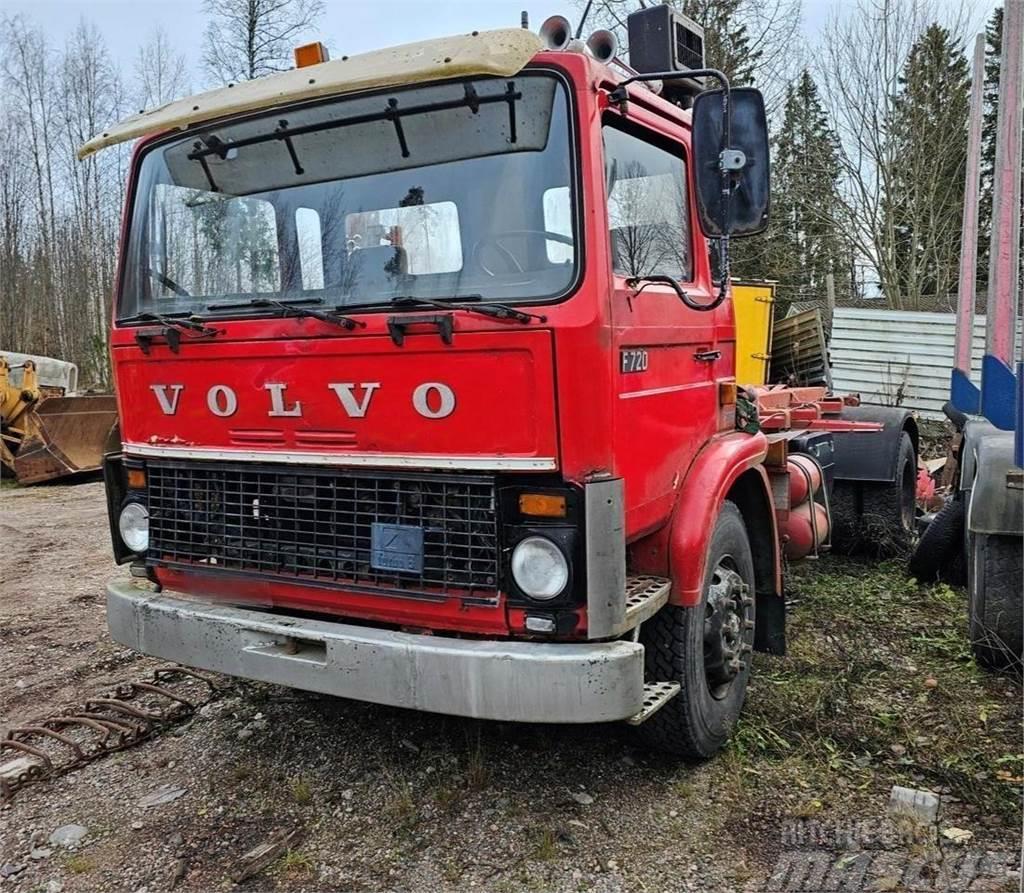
x=583 y=19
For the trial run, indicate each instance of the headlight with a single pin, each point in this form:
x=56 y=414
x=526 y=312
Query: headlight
x=539 y=568
x=134 y=526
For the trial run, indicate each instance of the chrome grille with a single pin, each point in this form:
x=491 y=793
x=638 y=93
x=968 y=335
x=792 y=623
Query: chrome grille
x=315 y=524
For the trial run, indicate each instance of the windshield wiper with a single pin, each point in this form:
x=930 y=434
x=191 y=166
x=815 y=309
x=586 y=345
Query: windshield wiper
x=184 y=320
x=167 y=282
x=174 y=324
x=491 y=309
x=293 y=307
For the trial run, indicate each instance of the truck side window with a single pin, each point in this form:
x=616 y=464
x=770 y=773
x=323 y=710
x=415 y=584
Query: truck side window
x=648 y=207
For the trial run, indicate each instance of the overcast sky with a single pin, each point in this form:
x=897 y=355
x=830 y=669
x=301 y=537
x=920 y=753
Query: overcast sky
x=347 y=27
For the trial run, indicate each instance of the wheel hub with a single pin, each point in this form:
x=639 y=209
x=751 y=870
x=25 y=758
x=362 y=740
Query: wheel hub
x=728 y=629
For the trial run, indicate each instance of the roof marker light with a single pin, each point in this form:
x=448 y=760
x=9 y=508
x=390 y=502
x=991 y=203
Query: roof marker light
x=311 y=54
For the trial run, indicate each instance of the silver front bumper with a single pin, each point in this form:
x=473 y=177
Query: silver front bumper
x=505 y=680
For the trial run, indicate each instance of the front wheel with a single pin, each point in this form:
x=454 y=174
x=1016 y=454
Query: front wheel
x=706 y=648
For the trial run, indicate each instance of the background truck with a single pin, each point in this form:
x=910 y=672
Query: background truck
x=977 y=536
x=427 y=387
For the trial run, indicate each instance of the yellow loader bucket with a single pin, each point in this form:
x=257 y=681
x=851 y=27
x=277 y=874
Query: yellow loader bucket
x=69 y=436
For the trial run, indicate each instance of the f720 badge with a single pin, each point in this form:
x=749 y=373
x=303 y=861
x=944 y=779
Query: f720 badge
x=632 y=360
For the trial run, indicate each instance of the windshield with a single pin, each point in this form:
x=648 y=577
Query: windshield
x=460 y=189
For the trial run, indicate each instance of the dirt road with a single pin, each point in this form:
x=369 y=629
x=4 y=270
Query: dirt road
x=878 y=690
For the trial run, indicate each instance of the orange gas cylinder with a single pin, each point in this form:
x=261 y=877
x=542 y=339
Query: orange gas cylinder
x=798 y=531
x=797 y=465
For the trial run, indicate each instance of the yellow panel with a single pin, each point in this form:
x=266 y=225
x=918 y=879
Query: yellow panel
x=502 y=52
x=753 y=303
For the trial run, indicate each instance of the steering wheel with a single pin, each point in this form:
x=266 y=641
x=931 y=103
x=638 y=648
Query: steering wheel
x=495 y=239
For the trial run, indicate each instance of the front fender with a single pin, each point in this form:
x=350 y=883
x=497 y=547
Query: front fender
x=717 y=467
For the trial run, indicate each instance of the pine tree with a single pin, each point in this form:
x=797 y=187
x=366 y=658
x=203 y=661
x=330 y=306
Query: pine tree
x=925 y=205
x=804 y=243
x=726 y=41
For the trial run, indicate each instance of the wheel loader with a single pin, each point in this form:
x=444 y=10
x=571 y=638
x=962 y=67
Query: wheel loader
x=48 y=430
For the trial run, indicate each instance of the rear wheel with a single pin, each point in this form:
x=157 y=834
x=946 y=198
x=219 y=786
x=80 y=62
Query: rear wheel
x=995 y=600
x=706 y=648
x=939 y=554
x=877 y=517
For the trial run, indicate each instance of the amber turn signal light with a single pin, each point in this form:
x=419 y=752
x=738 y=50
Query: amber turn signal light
x=726 y=393
x=311 y=54
x=136 y=478
x=542 y=505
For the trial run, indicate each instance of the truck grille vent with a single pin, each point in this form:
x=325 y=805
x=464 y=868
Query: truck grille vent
x=315 y=524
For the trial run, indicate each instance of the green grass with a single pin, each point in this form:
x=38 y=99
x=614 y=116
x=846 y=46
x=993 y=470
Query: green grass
x=79 y=864
x=301 y=790
x=545 y=844
x=295 y=862
x=878 y=686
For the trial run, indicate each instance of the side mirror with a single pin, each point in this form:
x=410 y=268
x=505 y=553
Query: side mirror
x=741 y=210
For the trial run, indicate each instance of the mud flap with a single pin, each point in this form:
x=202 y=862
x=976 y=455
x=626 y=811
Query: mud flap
x=770 y=624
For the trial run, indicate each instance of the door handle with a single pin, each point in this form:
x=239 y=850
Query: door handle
x=707 y=356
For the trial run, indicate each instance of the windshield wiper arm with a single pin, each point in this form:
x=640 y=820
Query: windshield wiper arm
x=293 y=307
x=485 y=308
x=167 y=282
x=251 y=302
x=185 y=321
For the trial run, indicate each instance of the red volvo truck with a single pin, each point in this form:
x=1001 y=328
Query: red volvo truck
x=426 y=386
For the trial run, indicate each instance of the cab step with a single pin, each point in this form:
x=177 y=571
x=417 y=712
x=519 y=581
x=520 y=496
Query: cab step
x=656 y=696
x=645 y=595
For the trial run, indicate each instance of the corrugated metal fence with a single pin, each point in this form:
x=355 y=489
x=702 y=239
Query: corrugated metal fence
x=898 y=357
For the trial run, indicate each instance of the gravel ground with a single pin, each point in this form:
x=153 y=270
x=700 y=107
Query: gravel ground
x=386 y=799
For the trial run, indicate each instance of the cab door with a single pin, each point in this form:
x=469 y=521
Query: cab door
x=668 y=356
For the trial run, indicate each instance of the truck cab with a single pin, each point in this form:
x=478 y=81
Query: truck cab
x=427 y=397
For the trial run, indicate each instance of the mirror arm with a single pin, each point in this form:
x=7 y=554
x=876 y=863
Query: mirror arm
x=619 y=94
x=729 y=161
x=639 y=283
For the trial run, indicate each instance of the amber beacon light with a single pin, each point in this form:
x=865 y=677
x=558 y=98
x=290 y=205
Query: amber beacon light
x=311 y=54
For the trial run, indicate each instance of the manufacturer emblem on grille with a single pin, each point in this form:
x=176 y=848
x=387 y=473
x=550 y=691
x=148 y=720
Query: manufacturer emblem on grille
x=431 y=399
x=396 y=547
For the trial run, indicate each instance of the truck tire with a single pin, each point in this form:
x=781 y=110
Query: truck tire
x=877 y=517
x=706 y=648
x=940 y=553
x=845 y=503
x=889 y=508
x=995 y=600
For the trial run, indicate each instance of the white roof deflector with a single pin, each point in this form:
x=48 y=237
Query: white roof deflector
x=500 y=53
